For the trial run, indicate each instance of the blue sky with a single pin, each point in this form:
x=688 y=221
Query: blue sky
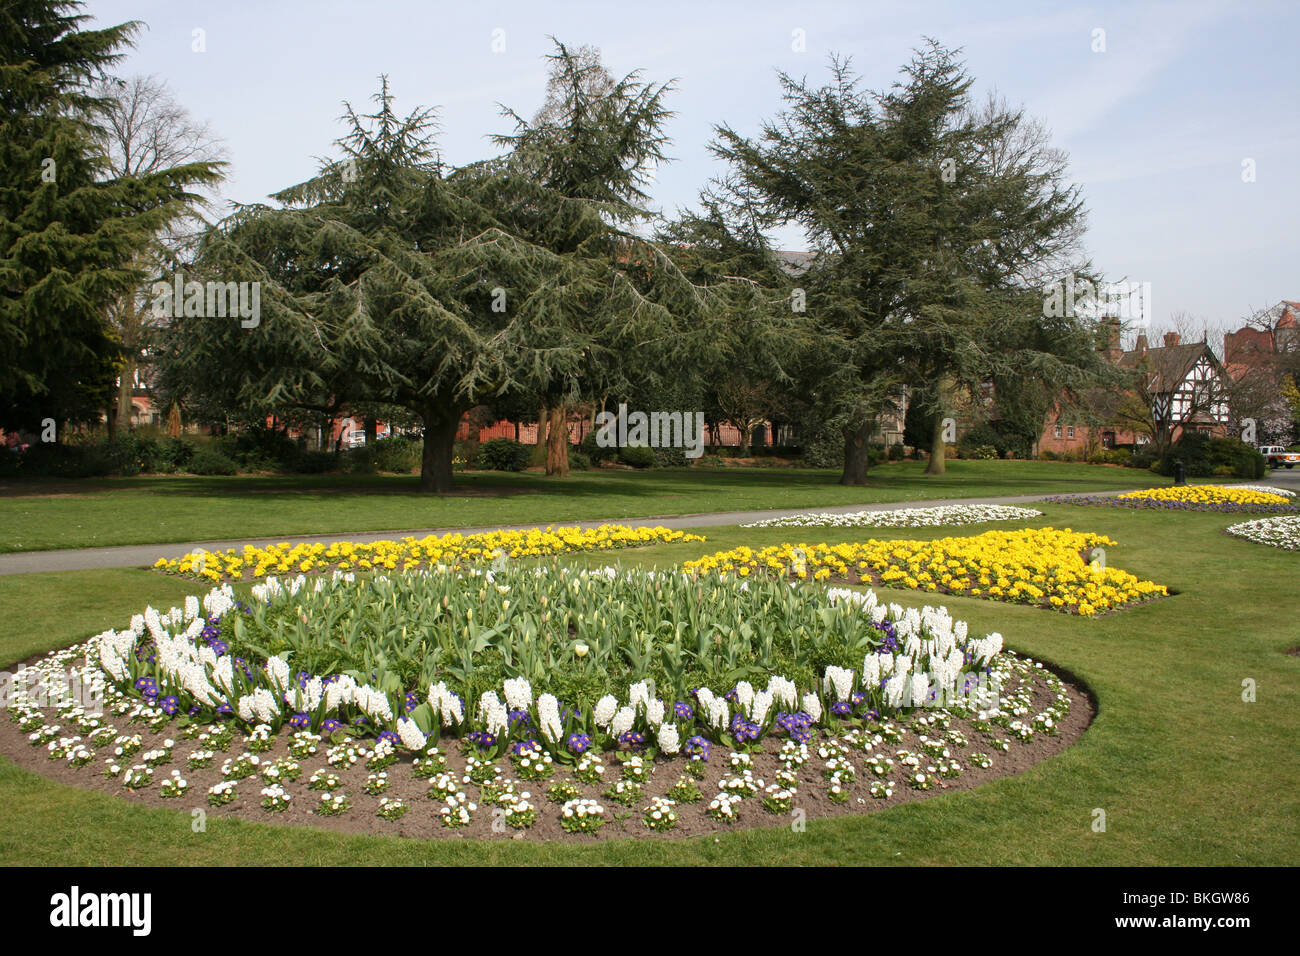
x=1157 y=126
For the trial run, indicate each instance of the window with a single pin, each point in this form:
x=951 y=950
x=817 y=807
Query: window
x=1056 y=432
x=1071 y=431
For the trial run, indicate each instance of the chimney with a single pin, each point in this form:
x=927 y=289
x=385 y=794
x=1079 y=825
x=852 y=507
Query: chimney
x=1141 y=346
x=1113 y=349
x=1171 y=339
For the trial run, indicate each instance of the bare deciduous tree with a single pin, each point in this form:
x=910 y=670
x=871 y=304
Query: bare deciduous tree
x=142 y=129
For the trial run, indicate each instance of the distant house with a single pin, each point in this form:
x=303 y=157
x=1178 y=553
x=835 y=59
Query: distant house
x=1252 y=347
x=1180 y=386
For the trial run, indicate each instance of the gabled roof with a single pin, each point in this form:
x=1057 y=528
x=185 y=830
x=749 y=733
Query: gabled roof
x=1167 y=364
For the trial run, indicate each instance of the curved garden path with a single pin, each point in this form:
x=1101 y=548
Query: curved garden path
x=141 y=555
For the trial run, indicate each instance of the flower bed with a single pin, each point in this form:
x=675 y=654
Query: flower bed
x=940 y=516
x=190 y=705
x=1042 y=566
x=254 y=562
x=1281 y=532
x=1267 y=489
x=1229 y=499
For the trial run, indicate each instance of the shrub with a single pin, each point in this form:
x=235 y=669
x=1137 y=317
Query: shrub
x=578 y=461
x=985 y=453
x=1141 y=458
x=57 y=460
x=1005 y=443
x=315 y=462
x=595 y=453
x=1203 y=456
x=210 y=461
x=895 y=452
x=670 y=457
x=638 y=456
x=504 y=454
x=397 y=455
x=825 y=450
x=258 y=449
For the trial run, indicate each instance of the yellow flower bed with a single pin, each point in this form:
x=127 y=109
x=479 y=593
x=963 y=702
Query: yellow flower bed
x=1040 y=566
x=1209 y=495
x=410 y=553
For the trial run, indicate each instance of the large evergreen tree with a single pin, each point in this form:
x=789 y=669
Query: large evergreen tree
x=934 y=225
x=391 y=277
x=69 y=232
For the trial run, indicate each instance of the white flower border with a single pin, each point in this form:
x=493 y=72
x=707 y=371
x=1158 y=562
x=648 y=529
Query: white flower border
x=934 y=517
x=1281 y=532
x=934 y=654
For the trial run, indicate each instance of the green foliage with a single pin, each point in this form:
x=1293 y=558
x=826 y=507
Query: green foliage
x=1202 y=455
x=932 y=218
x=68 y=231
x=596 y=453
x=392 y=277
x=259 y=448
x=60 y=460
x=396 y=455
x=314 y=462
x=998 y=436
x=210 y=461
x=409 y=632
x=637 y=456
x=503 y=454
x=825 y=450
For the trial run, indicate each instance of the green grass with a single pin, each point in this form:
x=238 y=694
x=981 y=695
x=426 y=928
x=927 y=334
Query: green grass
x=80 y=514
x=1187 y=772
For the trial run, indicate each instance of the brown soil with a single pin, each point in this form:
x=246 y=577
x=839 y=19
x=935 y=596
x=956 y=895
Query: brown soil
x=421 y=821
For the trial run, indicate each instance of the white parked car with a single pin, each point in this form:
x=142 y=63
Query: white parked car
x=1279 y=457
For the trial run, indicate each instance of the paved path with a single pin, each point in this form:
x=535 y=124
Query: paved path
x=143 y=555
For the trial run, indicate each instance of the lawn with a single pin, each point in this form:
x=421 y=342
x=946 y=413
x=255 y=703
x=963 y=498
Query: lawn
x=1186 y=771
x=40 y=515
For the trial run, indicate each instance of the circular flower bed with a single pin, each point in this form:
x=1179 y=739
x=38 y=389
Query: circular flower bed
x=1276 y=532
x=253 y=562
x=1044 y=566
x=939 y=516
x=693 y=704
x=1229 y=499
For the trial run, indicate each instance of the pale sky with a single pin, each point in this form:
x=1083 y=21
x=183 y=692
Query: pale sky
x=1157 y=125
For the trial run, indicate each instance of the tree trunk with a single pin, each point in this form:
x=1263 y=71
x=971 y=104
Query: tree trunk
x=372 y=431
x=439 y=440
x=857 y=442
x=746 y=434
x=557 y=442
x=938 y=450
x=124 y=388
x=541 y=425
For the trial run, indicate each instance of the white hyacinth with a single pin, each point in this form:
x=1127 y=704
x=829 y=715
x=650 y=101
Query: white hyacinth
x=840 y=680
x=412 y=737
x=519 y=694
x=812 y=706
x=605 y=710
x=622 y=722
x=548 y=716
x=670 y=741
